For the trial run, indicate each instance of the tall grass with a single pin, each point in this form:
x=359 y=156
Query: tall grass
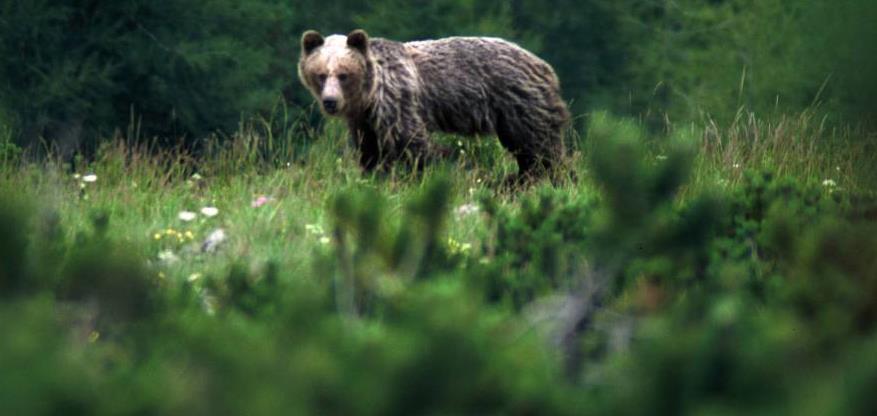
x=797 y=145
x=144 y=187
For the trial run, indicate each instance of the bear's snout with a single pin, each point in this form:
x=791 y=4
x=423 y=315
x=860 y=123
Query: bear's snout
x=330 y=105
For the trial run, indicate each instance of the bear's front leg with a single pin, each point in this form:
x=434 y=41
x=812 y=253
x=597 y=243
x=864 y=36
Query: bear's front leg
x=366 y=141
x=404 y=137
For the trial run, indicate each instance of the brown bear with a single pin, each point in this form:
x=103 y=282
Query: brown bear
x=394 y=94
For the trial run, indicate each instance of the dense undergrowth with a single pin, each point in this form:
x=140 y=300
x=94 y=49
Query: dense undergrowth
x=719 y=270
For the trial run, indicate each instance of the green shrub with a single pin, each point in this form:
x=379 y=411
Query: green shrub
x=537 y=249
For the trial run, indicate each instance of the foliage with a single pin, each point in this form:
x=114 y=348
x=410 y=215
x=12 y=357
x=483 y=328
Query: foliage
x=417 y=20
x=538 y=246
x=187 y=67
x=690 y=58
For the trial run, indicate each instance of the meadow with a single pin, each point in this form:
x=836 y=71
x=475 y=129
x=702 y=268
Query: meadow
x=716 y=268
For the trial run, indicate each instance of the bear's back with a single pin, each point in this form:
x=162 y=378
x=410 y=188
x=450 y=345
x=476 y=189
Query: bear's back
x=477 y=55
x=462 y=83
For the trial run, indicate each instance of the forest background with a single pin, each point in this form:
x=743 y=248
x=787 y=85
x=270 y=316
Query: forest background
x=76 y=71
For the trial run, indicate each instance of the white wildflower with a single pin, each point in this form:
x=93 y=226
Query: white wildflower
x=89 y=178
x=186 y=216
x=168 y=257
x=325 y=240
x=466 y=209
x=213 y=241
x=209 y=211
x=829 y=183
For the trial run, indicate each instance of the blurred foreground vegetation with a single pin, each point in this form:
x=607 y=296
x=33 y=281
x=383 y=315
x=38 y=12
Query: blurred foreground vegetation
x=698 y=273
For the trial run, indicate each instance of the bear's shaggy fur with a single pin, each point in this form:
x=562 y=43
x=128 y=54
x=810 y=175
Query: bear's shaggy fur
x=393 y=94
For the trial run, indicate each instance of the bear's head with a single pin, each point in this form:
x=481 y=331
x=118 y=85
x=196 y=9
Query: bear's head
x=336 y=70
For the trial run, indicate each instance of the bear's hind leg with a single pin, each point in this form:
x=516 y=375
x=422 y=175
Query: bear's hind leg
x=537 y=151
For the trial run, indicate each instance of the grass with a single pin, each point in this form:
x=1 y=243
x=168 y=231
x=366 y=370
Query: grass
x=144 y=189
x=798 y=145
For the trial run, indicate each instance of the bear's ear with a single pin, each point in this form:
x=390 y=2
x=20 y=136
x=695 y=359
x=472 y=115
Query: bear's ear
x=311 y=40
x=358 y=40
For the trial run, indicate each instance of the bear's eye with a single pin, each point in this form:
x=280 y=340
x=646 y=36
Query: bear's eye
x=342 y=77
x=322 y=77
